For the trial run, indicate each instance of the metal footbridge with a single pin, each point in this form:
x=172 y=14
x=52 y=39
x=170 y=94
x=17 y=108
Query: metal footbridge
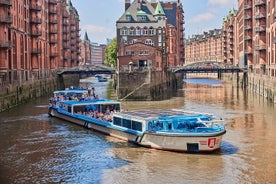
x=87 y=70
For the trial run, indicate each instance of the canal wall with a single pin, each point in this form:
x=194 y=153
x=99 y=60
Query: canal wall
x=147 y=85
x=14 y=95
x=256 y=83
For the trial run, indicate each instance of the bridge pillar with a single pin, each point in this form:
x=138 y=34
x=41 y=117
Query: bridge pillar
x=219 y=74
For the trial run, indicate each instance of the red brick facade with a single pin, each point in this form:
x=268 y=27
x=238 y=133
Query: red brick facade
x=151 y=34
x=36 y=37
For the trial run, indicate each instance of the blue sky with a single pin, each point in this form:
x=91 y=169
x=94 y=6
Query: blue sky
x=98 y=17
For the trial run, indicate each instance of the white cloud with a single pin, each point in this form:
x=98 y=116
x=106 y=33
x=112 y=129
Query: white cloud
x=98 y=33
x=222 y=3
x=200 y=18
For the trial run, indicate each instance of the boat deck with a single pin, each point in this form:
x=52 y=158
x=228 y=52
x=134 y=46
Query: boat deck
x=173 y=113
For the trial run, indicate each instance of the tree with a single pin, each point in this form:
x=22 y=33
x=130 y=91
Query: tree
x=111 y=53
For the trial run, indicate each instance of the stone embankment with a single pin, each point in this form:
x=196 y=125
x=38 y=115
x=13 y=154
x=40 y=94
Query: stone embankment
x=13 y=95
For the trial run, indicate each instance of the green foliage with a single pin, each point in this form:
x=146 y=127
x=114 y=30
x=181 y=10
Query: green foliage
x=111 y=54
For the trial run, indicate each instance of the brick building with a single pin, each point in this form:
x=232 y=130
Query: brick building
x=150 y=34
x=248 y=37
x=97 y=53
x=36 y=37
x=256 y=22
x=204 y=47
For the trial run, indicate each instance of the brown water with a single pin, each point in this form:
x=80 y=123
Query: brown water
x=37 y=149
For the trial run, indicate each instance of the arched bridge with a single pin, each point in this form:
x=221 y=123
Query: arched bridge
x=207 y=67
x=87 y=70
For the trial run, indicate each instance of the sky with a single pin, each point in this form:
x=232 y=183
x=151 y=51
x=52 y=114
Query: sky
x=98 y=17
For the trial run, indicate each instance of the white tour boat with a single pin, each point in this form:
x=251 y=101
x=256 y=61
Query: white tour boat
x=172 y=130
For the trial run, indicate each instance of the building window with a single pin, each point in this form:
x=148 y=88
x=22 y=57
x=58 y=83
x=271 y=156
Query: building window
x=151 y=31
x=128 y=17
x=129 y=53
x=145 y=31
x=133 y=41
x=149 y=42
x=141 y=18
x=131 y=31
x=124 y=31
x=138 y=31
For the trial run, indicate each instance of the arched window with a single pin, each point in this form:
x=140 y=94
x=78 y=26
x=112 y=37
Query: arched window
x=138 y=31
x=145 y=31
x=131 y=31
x=151 y=31
x=124 y=31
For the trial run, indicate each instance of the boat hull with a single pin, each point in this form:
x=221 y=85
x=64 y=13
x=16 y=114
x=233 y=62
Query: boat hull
x=196 y=142
x=103 y=128
x=190 y=143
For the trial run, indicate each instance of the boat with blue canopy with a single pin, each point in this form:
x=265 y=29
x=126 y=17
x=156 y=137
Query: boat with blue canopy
x=171 y=130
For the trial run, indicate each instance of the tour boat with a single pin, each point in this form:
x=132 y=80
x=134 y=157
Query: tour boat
x=171 y=130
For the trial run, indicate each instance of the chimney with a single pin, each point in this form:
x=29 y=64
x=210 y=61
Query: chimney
x=127 y=4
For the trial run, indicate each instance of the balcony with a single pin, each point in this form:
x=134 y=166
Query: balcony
x=35 y=7
x=247 y=6
x=260 y=16
x=65 y=16
x=260 y=28
x=53 y=31
x=260 y=47
x=248 y=51
x=65 y=31
x=66 y=57
x=36 y=32
x=53 y=41
x=247 y=38
x=36 y=20
x=65 y=24
x=5 y=2
x=247 y=27
x=52 y=10
x=65 y=46
x=247 y=17
x=36 y=51
x=53 y=54
x=260 y=2
x=53 y=21
x=5 y=44
x=65 y=39
x=5 y=19
x=52 y=2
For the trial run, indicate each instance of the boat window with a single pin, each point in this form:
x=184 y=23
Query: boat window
x=137 y=125
x=126 y=123
x=155 y=125
x=117 y=121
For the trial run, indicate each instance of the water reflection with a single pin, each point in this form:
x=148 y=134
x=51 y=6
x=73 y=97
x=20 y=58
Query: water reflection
x=37 y=149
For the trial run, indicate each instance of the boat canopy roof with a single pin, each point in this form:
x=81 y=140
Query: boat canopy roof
x=77 y=91
x=91 y=102
x=164 y=115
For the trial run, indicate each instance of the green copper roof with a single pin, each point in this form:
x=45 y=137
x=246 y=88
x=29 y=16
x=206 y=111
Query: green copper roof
x=141 y=12
x=159 y=10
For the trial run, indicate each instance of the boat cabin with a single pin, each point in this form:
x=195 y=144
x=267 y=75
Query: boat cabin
x=165 y=121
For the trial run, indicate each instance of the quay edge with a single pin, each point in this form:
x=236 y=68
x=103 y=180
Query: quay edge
x=13 y=95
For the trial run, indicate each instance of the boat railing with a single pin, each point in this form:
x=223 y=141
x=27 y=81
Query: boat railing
x=193 y=112
x=211 y=124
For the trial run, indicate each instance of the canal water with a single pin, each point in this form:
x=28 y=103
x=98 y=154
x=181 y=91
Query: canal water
x=35 y=148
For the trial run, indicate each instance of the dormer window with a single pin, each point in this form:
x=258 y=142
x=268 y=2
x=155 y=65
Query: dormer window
x=141 y=16
x=128 y=16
